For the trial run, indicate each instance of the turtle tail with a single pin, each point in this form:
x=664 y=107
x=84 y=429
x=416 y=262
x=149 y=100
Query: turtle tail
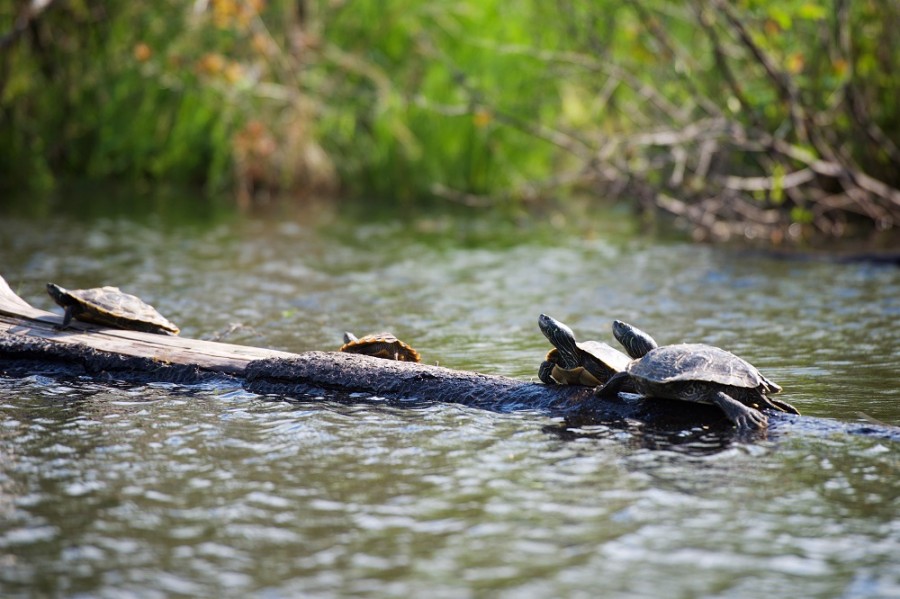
x=782 y=406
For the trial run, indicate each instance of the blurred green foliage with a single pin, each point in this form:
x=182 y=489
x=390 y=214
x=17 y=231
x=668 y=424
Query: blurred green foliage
x=407 y=99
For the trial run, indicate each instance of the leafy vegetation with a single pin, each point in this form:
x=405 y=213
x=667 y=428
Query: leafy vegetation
x=757 y=118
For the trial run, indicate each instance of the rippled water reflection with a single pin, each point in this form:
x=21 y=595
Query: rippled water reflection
x=158 y=490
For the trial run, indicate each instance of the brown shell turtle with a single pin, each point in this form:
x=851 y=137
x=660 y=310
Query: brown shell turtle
x=570 y=362
x=111 y=307
x=380 y=345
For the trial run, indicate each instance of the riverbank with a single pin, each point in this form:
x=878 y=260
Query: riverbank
x=757 y=133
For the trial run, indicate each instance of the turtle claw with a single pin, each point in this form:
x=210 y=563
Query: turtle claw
x=744 y=417
x=545 y=373
x=752 y=419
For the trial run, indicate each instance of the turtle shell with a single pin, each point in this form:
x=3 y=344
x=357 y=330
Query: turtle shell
x=380 y=345
x=693 y=362
x=704 y=374
x=604 y=353
x=110 y=306
x=597 y=362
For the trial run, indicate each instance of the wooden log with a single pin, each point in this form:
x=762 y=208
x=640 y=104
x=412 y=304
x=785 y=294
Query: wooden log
x=318 y=372
x=30 y=337
x=30 y=342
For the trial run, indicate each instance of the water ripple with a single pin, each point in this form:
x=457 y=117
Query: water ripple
x=159 y=490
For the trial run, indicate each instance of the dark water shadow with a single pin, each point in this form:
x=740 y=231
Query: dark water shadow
x=658 y=424
x=694 y=441
x=693 y=429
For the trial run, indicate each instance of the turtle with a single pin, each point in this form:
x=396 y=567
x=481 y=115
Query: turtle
x=111 y=307
x=380 y=345
x=570 y=362
x=695 y=372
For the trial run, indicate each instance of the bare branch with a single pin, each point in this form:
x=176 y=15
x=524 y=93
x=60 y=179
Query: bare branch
x=782 y=82
x=705 y=20
x=30 y=14
x=794 y=179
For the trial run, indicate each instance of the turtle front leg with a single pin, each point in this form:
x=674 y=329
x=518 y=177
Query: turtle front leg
x=742 y=416
x=67 y=317
x=544 y=373
x=617 y=382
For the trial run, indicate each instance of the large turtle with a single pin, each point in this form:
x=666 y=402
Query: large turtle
x=380 y=345
x=111 y=307
x=695 y=372
x=570 y=362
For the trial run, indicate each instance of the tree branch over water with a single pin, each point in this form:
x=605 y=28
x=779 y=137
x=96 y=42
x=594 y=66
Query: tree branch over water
x=727 y=164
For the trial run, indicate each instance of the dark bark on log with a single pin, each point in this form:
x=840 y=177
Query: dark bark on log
x=404 y=381
x=22 y=356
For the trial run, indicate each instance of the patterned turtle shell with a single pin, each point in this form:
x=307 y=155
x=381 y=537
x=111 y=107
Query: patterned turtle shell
x=380 y=345
x=111 y=307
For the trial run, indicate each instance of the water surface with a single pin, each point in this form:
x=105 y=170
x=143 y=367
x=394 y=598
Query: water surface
x=159 y=490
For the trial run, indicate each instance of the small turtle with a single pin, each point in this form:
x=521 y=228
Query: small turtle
x=696 y=372
x=589 y=363
x=110 y=307
x=380 y=345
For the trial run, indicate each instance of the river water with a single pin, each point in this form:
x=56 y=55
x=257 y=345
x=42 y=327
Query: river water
x=111 y=490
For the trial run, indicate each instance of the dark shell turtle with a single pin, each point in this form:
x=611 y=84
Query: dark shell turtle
x=570 y=362
x=699 y=373
x=380 y=345
x=111 y=307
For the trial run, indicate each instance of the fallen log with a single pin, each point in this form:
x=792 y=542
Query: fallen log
x=31 y=339
x=31 y=342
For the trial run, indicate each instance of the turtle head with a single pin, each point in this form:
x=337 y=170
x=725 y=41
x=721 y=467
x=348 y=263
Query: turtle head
x=562 y=338
x=349 y=337
x=59 y=295
x=635 y=341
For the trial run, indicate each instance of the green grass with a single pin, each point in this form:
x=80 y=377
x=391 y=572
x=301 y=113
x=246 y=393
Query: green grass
x=401 y=101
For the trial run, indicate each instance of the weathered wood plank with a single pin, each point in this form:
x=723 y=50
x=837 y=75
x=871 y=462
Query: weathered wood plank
x=17 y=317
